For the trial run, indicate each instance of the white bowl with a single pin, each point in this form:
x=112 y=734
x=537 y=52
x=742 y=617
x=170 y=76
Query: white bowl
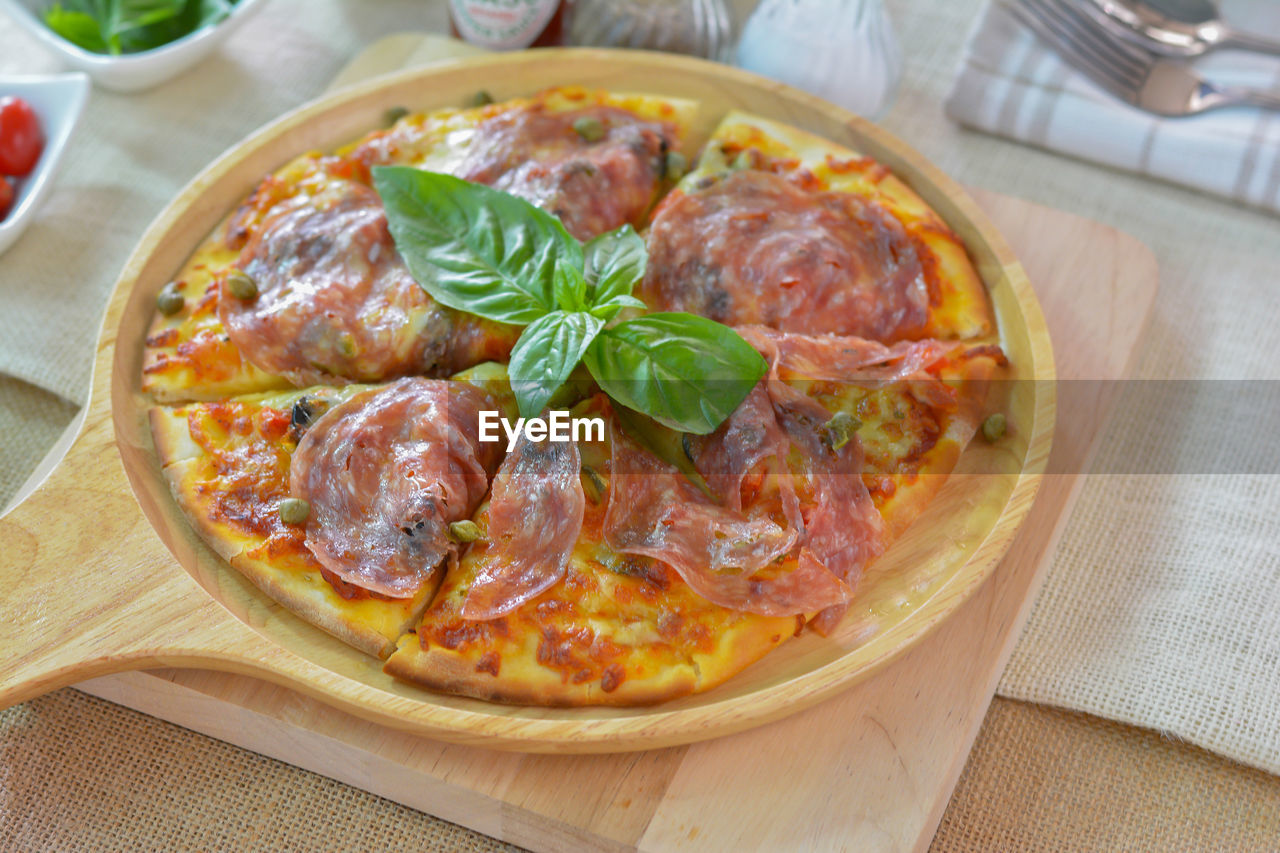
x=58 y=100
x=130 y=72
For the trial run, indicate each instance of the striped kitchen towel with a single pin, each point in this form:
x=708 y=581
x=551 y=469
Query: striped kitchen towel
x=1012 y=84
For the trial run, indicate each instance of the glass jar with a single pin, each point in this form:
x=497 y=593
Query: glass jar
x=696 y=27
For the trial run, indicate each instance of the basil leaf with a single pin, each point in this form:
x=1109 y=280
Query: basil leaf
x=547 y=352
x=684 y=371
x=570 y=290
x=614 y=262
x=79 y=28
x=477 y=249
x=608 y=310
x=131 y=26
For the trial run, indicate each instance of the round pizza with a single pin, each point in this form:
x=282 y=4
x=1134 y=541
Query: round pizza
x=544 y=402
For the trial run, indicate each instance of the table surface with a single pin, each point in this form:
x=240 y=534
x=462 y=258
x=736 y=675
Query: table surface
x=1038 y=776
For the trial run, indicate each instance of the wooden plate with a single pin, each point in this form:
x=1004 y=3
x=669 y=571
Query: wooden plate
x=102 y=572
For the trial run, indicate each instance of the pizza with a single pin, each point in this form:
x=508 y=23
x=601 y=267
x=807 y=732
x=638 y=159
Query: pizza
x=321 y=417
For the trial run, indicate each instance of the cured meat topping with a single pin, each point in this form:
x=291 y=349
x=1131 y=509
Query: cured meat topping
x=332 y=300
x=385 y=473
x=594 y=181
x=754 y=248
x=535 y=516
x=725 y=556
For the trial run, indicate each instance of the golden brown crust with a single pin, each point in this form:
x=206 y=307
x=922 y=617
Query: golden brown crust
x=370 y=625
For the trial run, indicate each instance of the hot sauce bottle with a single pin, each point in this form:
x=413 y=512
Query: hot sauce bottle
x=510 y=24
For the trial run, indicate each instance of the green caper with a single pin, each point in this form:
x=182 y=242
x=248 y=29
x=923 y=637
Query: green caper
x=676 y=166
x=170 y=301
x=294 y=510
x=465 y=531
x=993 y=428
x=393 y=115
x=686 y=444
x=347 y=346
x=481 y=99
x=589 y=128
x=742 y=161
x=242 y=286
x=593 y=484
x=837 y=431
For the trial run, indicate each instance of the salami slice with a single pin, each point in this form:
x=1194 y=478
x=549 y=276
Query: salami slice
x=334 y=301
x=843 y=358
x=596 y=168
x=535 y=517
x=754 y=248
x=846 y=358
x=385 y=473
x=655 y=511
x=749 y=442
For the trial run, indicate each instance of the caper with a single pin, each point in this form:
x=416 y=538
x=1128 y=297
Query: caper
x=294 y=510
x=993 y=428
x=347 y=347
x=837 y=431
x=593 y=484
x=676 y=165
x=742 y=161
x=589 y=128
x=481 y=99
x=242 y=286
x=686 y=444
x=465 y=531
x=393 y=115
x=170 y=301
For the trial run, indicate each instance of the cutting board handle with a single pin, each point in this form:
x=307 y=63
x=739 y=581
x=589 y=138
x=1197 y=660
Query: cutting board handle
x=65 y=616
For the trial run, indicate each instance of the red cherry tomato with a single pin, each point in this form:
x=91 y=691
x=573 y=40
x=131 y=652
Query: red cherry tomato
x=6 y=197
x=20 y=138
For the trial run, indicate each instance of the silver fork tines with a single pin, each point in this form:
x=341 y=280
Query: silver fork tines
x=1112 y=64
x=1125 y=70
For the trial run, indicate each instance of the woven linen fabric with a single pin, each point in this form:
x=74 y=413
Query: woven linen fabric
x=131 y=782
x=1044 y=780
x=1013 y=84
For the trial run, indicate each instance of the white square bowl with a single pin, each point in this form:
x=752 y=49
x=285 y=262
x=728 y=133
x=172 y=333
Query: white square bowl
x=58 y=100
x=130 y=72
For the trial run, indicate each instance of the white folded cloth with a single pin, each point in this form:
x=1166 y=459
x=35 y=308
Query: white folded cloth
x=1013 y=84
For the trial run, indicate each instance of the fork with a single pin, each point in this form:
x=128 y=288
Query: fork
x=1140 y=78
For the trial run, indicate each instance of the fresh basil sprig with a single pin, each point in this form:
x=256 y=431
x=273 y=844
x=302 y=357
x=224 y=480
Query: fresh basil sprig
x=131 y=26
x=489 y=253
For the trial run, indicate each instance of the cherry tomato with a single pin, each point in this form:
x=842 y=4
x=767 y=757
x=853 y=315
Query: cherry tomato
x=6 y=196
x=20 y=138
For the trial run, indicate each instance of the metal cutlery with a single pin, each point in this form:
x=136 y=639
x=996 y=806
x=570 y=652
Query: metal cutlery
x=1136 y=76
x=1177 y=28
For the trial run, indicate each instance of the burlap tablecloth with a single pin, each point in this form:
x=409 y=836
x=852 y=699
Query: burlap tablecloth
x=1110 y=634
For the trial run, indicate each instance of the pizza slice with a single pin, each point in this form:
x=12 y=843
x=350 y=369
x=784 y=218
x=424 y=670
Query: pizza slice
x=778 y=227
x=233 y=468
x=549 y=612
x=302 y=284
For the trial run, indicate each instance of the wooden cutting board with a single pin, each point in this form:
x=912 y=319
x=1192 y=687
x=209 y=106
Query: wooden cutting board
x=871 y=769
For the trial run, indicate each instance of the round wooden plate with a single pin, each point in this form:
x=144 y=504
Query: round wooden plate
x=102 y=573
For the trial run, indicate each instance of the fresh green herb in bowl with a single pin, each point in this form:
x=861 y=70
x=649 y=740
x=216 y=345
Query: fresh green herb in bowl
x=117 y=27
